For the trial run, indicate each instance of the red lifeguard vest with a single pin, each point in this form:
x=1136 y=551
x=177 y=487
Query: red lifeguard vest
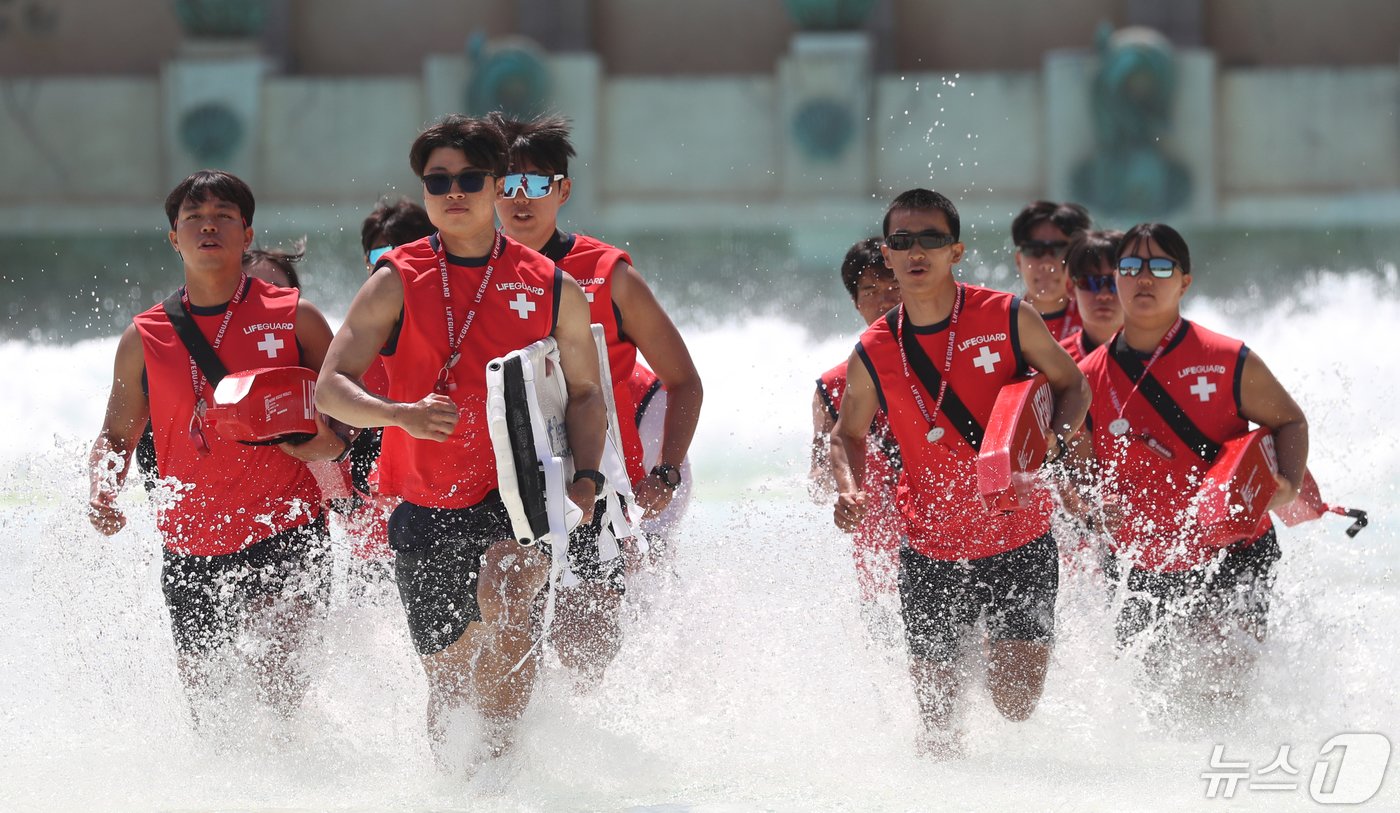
x=520 y=306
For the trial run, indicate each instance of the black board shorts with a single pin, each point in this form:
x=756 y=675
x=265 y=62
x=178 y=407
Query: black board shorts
x=209 y=596
x=941 y=600
x=438 y=555
x=586 y=560
x=1238 y=587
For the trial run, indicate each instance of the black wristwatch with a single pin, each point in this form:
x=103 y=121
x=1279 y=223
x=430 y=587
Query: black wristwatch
x=668 y=474
x=592 y=474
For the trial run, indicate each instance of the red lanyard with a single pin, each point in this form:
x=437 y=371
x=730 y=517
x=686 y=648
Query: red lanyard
x=195 y=377
x=1119 y=426
x=454 y=339
x=935 y=432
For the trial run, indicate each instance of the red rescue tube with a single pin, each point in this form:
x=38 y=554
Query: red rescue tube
x=1308 y=506
x=1014 y=445
x=1233 y=500
x=265 y=406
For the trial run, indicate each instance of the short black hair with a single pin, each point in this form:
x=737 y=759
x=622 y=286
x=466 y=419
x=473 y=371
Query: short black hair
x=1088 y=249
x=1168 y=238
x=923 y=200
x=402 y=221
x=1067 y=217
x=542 y=141
x=284 y=259
x=478 y=139
x=863 y=256
x=211 y=183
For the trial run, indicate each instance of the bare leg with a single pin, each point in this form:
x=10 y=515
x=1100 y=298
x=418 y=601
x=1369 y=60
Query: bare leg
x=1016 y=676
x=937 y=686
x=481 y=666
x=284 y=628
x=587 y=633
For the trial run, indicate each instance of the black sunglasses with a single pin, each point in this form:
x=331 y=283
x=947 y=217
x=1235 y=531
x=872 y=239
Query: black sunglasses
x=468 y=180
x=1044 y=248
x=928 y=240
x=1159 y=267
x=1097 y=283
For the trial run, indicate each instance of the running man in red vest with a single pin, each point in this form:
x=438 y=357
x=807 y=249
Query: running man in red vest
x=438 y=310
x=1041 y=233
x=874 y=292
x=936 y=365
x=586 y=633
x=246 y=546
x=387 y=226
x=1167 y=393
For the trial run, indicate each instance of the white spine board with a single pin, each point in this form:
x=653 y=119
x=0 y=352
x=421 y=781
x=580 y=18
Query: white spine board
x=526 y=399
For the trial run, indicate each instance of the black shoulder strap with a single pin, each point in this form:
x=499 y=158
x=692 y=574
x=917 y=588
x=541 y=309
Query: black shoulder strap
x=957 y=412
x=1162 y=403
x=194 y=341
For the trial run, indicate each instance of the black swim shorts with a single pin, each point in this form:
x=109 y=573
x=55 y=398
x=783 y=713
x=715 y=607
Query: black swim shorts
x=1238 y=586
x=586 y=560
x=940 y=601
x=208 y=596
x=439 y=553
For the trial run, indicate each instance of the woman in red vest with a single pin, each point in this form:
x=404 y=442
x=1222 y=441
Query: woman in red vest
x=1167 y=393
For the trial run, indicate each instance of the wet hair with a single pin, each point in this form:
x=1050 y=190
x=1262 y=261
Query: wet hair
x=924 y=200
x=402 y=221
x=542 y=141
x=1089 y=249
x=1169 y=239
x=211 y=183
x=477 y=138
x=863 y=256
x=1067 y=217
x=284 y=259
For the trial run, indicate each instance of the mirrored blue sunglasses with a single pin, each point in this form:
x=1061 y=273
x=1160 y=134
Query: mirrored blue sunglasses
x=532 y=184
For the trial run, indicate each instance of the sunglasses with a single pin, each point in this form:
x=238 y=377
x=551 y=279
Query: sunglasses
x=928 y=240
x=469 y=181
x=532 y=184
x=1159 y=267
x=1044 y=248
x=376 y=253
x=1097 y=283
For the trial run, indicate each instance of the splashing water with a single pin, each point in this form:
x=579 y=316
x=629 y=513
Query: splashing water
x=750 y=682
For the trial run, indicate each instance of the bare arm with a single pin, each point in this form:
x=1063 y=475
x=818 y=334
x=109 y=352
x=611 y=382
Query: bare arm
x=127 y=412
x=1067 y=381
x=339 y=391
x=858 y=408
x=586 y=416
x=314 y=336
x=1264 y=401
x=822 y=483
x=658 y=339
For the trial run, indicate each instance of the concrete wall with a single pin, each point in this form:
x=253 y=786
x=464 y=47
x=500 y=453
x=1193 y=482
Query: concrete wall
x=1301 y=132
x=367 y=37
x=686 y=37
x=681 y=37
x=80 y=141
x=704 y=137
x=337 y=140
x=993 y=34
x=973 y=135
x=664 y=150
x=1302 y=32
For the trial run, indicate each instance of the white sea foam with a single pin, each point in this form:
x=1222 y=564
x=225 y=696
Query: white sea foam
x=751 y=684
